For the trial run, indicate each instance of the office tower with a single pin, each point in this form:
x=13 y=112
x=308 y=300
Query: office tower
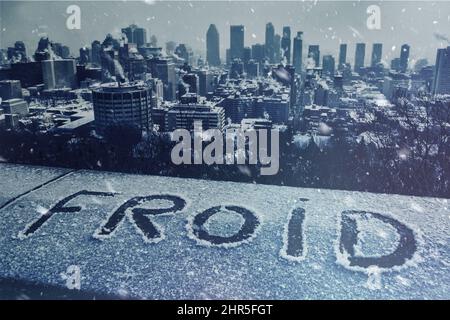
x=84 y=56
x=128 y=104
x=20 y=51
x=314 y=53
x=212 y=46
x=183 y=115
x=206 y=82
x=190 y=83
x=275 y=107
x=377 y=51
x=286 y=44
x=236 y=69
x=328 y=65
x=183 y=52
x=28 y=73
x=60 y=50
x=359 y=56
x=258 y=52
x=135 y=35
x=277 y=48
x=395 y=64
x=342 y=55
x=252 y=69
x=441 y=82
x=297 y=52
x=247 y=55
x=96 y=49
x=270 y=42
x=10 y=89
x=15 y=106
x=59 y=73
x=404 y=57
x=236 y=42
x=164 y=69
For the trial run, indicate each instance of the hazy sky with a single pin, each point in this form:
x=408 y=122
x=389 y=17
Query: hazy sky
x=326 y=23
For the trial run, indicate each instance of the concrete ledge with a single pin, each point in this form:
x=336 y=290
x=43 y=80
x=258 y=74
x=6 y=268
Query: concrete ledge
x=167 y=238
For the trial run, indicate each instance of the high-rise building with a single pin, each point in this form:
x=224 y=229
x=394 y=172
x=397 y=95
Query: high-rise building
x=59 y=73
x=441 y=82
x=286 y=44
x=84 y=55
x=377 y=51
x=277 y=48
x=342 y=55
x=258 y=52
x=135 y=35
x=270 y=42
x=360 y=54
x=10 y=89
x=328 y=65
x=164 y=69
x=236 y=42
x=314 y=53
x=212 y=46
x=297 y=52
x=96 y=49
x=404 y=57
x=128 y=103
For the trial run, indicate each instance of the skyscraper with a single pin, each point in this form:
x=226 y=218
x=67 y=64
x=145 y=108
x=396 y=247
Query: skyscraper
x=314 y=53
x=212 y=46
x=297 y=52
x=441 y=82
x=258 y=52
x=135 y=35
x=277 y=48
x=328 y=65
x=359 y=56
x=96 y=49
x=286 y=44
x=270 y=42
x=342 y=55
x=404 y=57
x=236 y=42
x=59 y=73
x=377 y=51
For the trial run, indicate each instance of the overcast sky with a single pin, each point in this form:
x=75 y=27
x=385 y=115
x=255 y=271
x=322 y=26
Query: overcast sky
x=423 y=25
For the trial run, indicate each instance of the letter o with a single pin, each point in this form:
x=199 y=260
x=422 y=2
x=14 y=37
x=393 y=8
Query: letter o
x=247 y=230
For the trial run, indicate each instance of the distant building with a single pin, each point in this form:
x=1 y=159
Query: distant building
x=135 y=35
x=297 y=54
x=360 y=54
x=270 y=42
x=328 y=65
x=342 y=56
x=286 y=44
x=258 y=53
x=128 y=103
x=377 y=51
x=15 y=106
x=236 y=42
x=59 y=73
x=212 y=46
x=10 y=89
x=404 y=57
x=164 y=69
x=441 y=82
x=183 y=116
x=275 y=108
x=314 y=53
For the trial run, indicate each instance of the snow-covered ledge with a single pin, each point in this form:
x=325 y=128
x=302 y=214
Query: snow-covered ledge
x=168 y=238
